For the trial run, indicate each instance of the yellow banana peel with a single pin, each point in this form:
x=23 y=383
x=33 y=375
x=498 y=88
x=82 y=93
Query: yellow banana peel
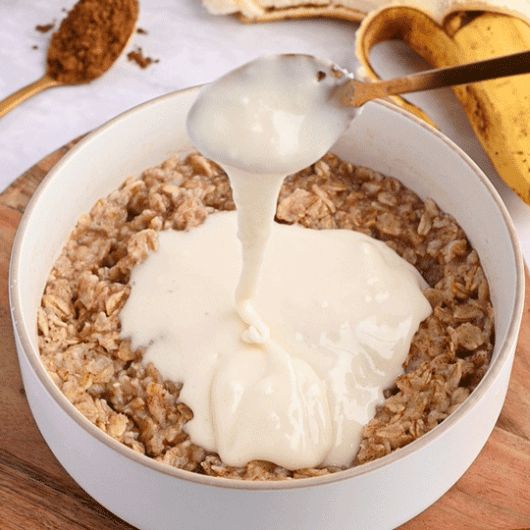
x=498 y=110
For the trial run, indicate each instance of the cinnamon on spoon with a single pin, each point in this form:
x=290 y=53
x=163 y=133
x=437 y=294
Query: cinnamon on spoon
x=87 y=43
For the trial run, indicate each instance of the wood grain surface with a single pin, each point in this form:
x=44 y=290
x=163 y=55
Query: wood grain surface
x=36 y=492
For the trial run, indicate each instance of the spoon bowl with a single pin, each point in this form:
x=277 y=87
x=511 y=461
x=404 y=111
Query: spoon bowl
x=254 y=103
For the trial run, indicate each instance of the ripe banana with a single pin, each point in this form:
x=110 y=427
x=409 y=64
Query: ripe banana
x=499 y=110
x=443 y=33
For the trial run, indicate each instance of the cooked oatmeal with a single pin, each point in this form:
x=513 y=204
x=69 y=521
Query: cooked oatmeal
x=79 y=325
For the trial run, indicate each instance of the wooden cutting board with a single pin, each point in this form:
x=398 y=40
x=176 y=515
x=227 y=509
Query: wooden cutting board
x=36 y=492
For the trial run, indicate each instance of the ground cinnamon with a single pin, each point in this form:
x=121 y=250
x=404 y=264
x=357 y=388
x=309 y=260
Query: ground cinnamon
x=44 y=28
x=90 y=39
x=137 y=56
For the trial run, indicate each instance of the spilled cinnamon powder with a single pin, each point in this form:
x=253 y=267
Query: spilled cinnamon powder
x=90 y=39
x=44 y=28
x=137 y=56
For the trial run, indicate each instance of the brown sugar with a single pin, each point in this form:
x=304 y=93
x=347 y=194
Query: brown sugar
x=90 y=39
x=137 y=56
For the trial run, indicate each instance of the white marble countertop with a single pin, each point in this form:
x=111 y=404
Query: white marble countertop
x=193 y=47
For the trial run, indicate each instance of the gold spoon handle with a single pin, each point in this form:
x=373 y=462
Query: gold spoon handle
x=355 y=93
x=26 y=92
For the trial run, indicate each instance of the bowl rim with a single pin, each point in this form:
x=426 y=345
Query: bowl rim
x=33 y=356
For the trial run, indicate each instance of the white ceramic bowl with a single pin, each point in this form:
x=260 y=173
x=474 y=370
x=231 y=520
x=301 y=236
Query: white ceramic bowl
x=381 y=494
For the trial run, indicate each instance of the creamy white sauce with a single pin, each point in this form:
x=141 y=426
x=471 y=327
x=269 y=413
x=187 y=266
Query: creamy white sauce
x=262 y=121
x=341 y=307
x=291 y=369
